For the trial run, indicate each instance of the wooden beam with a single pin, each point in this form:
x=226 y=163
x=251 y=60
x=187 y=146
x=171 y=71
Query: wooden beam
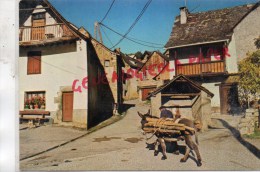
x=32 y=8
x=186 y=94
x=180 y=106
x=181 y=97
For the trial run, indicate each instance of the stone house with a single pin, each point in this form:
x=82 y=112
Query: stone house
x=192 y=99
x=131 y=65
x=207 y=46
x=156 y=63
x=59 y=70
x=113 y=65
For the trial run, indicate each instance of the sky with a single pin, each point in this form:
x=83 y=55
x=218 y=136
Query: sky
x=154 y=26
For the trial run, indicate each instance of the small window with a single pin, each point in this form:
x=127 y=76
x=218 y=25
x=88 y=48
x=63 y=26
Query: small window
x=34 y=100
x=38 y=16
x=144 y=74
x=107 y=63
x=34 y=62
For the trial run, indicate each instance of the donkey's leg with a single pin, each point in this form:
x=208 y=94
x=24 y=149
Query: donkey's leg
x=156 y=145
x=188 y=148
x=185 y=157
x=176 y=148
x=192 y=145
x=163 y=145
x=196 y=149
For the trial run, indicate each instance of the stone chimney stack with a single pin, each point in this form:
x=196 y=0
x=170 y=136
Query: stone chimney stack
x=183 y=15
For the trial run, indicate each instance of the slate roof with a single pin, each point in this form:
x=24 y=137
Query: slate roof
x=150 y=54
x=180 y=77
x=208 y=26
x=133 y=63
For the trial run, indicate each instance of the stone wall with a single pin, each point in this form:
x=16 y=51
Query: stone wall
x=248 y=122
x=245 y=33
x=156 y=104
x=201 y=110
x=205 y=110
x=130 y=90
x=104 y=54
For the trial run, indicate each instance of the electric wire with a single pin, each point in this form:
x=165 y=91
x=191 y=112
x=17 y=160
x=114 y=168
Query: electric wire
x=134 y=23
x=107 y=36
x=108 y=11
x=128 y=37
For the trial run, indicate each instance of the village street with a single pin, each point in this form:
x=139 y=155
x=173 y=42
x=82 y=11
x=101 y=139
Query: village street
x=121 y=146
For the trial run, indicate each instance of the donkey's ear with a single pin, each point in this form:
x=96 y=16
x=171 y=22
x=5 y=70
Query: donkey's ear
x=141 y=115
x=148 y=113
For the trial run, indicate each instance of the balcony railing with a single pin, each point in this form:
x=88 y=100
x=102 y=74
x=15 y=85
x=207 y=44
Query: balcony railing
x=29 y=33
x=204 y=68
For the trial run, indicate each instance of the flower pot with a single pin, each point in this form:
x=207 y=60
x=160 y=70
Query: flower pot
x=42 y=107
x=31 y=106
x=26 y=107
x=35 y=106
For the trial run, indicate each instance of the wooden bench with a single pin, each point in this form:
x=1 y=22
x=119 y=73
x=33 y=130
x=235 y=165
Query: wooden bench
x=34 y=115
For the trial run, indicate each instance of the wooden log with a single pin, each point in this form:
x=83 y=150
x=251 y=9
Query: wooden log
x=166 y=123
x=152 y=130
x=165 y=126
x=189 y=128
x=163 y=121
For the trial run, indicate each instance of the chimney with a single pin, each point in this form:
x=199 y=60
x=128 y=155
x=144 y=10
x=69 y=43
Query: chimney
x=183 y=15
x=118 y=50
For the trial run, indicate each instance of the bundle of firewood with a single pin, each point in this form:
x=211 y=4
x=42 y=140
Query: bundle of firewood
x=164 y=126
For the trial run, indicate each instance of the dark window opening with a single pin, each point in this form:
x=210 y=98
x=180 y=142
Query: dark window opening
x=38 y=16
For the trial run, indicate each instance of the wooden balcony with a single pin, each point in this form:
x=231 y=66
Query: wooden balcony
x=205 y=68
x=46 y=32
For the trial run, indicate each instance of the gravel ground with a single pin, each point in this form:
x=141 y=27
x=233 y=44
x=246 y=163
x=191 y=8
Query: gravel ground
x=121 y=146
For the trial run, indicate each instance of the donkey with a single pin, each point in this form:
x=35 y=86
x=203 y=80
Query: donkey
x=189 y=138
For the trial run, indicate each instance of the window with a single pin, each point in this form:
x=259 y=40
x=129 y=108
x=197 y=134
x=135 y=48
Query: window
x=34 y=100
x=107 y=63
x=144 y=74
x=34 y=62
x=37 y=16
x=213 y=52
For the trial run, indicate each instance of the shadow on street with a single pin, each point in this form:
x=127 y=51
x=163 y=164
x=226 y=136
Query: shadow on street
x=170 y=149
x=254 y=150
x=125 y=107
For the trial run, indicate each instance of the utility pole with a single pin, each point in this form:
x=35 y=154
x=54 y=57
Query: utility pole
x=97 y=29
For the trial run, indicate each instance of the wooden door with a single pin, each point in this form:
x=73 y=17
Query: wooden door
x=224 y=99
x=67 y=106
x=146 y=92
x=38 y=29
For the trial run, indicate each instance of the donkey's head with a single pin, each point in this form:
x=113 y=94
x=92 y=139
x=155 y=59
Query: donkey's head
x=143 y=117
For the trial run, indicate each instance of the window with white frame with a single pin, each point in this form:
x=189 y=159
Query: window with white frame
x=107 y=63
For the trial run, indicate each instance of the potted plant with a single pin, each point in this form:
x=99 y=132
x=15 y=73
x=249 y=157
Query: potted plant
x=31 y=103
x=36 y=102
x=42 y=102
x=26 y=104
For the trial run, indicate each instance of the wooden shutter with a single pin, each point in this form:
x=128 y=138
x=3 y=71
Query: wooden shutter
x=34 y=63
x=30 y=65
x=37 y=64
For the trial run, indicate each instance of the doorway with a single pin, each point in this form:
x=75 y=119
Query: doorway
x=67 y=106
